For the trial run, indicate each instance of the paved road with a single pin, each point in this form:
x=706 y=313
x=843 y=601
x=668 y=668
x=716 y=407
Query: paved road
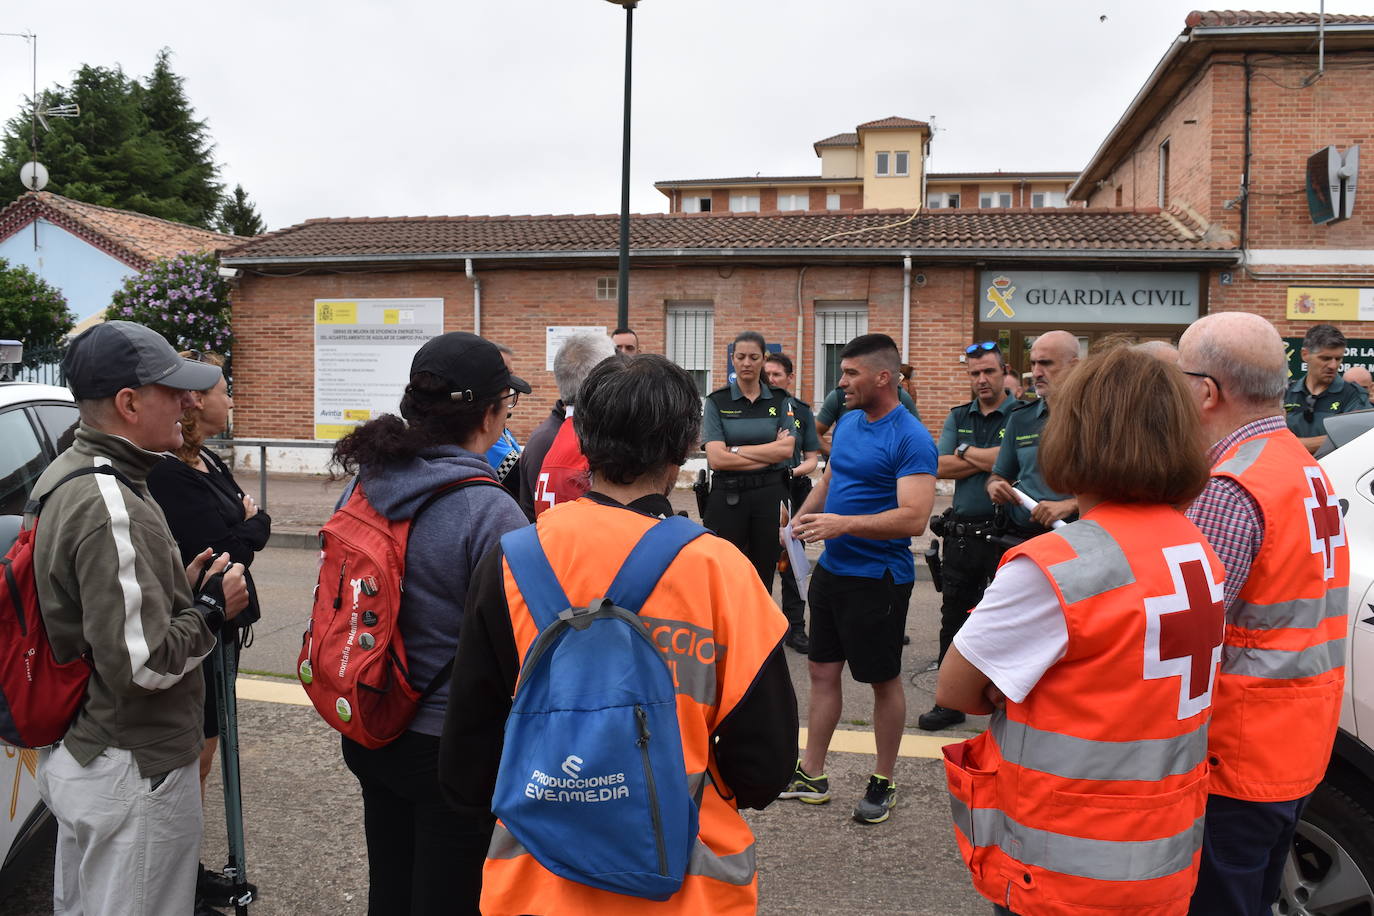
x=303 y=812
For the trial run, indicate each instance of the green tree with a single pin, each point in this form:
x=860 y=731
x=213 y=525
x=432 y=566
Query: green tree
x=31 y=310
x=136 y=146
x=238 y=215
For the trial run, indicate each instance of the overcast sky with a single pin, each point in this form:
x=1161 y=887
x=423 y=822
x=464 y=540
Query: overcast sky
x=349 y=108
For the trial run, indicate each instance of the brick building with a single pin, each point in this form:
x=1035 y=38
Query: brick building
x=1166 y=223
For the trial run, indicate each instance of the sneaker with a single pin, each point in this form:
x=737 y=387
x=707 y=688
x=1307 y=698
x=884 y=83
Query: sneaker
x=813 y=790
x=216 y=889
x=878 y=801
x=939 y=717
x=204 y=909
x=797 y=641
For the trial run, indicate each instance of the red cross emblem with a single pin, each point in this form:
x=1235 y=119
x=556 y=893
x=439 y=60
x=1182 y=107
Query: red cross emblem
x=1324 y=523
x=1183 y=630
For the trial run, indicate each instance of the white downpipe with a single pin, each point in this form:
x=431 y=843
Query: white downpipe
x=801 y=318
x=476 y=299
x=906 y=309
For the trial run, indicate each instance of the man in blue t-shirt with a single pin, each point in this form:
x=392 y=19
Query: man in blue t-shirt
x=875 y=496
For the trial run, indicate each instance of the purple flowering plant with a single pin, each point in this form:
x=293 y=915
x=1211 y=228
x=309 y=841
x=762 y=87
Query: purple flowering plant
x=184 y=299
x=32 y=311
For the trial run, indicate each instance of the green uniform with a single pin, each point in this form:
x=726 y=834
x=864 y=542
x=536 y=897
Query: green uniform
x=804 y=422
x=743 y=505
x=833 y=406
x=1017 y=463
x=1307 y=412
x=967 y=424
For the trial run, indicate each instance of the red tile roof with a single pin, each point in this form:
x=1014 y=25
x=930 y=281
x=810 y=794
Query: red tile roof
x=1233 y=18
x=849 y=139
x=892 y=123
x=753 y=179
x=134 y=238
x=682 y=235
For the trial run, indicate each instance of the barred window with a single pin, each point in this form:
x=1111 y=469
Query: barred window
x=837 y=323
x=691 y=340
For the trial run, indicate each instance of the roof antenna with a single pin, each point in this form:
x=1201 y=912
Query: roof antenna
x=33 y=175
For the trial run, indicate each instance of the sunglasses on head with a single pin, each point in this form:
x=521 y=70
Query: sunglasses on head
x=986 y=346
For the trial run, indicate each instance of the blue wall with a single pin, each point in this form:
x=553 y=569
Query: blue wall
x=86 y=275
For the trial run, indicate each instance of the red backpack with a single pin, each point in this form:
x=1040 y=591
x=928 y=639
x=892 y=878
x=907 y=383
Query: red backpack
x=353 y=660
x=39 y=696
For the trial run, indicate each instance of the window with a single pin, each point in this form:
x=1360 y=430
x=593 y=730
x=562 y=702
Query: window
x=59 y=422
x=607 y=287
x=1164 y=174
x=1047 y=199
x=794 y=200
x=832 y=200
x=994 y=199
x=837 y=323
x=744 y=203
x=21 y=461
x=696 y=204
x=882 y=164
x=940 y=199
x=691 y=340
x=902 y=158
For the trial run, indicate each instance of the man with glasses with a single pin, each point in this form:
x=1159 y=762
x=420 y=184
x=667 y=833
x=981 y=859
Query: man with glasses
x=1322 y=392
x=1052 y=355
x=1271 y=516
x=969 y=444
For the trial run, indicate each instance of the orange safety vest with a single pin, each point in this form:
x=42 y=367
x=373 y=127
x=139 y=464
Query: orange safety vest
x=716 y=626
x=1088 y=797
x=1283 y=670
x=563 y=476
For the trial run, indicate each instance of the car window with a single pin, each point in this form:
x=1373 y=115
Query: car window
x=59 y=422
x=21 y=460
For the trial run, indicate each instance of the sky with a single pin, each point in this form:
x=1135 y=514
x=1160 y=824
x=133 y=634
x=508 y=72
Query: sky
x=352 y=108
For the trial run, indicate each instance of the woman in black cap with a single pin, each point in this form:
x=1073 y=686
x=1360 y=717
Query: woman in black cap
x=423 y=857
x=749 y=440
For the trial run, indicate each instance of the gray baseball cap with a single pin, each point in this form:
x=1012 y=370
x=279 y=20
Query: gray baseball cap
x=114 y=355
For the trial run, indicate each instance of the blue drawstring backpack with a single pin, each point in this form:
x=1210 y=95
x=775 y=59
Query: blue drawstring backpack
x=592 y=780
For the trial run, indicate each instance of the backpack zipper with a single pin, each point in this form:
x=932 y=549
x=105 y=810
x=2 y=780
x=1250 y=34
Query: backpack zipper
x=338 y=589
x=642 y=719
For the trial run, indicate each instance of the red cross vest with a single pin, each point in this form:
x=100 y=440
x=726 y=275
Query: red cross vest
x=1283 y=669
x=1088 y=797
x=563 y=476
x=717 y=626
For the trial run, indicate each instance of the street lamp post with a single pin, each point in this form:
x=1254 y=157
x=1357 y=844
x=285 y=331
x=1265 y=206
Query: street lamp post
x=623 y=283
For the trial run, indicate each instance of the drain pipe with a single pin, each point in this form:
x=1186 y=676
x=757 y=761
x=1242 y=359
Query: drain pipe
x=906 y=309
x=476 y=300
x=801 y=316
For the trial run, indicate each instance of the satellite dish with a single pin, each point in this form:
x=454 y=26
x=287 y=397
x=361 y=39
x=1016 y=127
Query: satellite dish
x=33 y=176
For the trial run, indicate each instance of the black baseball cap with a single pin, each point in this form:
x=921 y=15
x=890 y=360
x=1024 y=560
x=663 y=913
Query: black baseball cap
x=114 y=355
x=472 y=367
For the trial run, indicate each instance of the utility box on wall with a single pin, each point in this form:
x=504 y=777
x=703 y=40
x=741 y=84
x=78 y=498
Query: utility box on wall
x=1331 y=181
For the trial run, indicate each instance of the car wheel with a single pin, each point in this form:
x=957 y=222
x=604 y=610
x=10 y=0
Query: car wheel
x=1330 y=871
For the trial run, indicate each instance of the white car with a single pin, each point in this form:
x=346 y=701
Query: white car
x=1331 y=869
x=36 y=422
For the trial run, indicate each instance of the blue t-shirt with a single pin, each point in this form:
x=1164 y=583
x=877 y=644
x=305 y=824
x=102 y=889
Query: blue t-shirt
x=865 y=461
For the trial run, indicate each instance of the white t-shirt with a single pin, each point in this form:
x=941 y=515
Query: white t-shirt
x=1017 y=631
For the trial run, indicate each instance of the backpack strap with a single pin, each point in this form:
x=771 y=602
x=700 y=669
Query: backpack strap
x=650 y=559
x=534 y=576
x=35 y=506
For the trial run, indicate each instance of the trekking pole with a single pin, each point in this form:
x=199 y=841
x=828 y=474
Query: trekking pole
x=237 y=868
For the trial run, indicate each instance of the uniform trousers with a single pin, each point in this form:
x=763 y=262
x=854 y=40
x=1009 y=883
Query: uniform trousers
x=127 y=845
x=749 y=520
x=968 y=565
x=793 y=604
x=1244 y=847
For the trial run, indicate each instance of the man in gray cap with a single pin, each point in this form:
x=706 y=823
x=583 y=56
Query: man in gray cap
x=123 y=784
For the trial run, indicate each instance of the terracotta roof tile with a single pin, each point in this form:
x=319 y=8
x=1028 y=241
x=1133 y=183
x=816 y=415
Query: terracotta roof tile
x=753 y=179
x=892 y=123
x=1240 y=18
x=134 y=238
x=361 y=239
x=849 y=139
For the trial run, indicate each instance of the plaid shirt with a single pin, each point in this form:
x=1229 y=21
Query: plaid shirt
x=1229 y=516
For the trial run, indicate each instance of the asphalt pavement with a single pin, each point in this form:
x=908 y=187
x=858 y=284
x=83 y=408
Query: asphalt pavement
x=303 y=812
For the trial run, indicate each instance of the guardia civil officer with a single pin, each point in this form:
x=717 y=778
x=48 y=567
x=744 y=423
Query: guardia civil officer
x=778 y=371
x=749 y=439
x=969 y=444
x=1321 y=393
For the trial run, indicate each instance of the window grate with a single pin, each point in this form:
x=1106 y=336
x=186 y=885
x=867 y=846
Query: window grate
x=691 y=339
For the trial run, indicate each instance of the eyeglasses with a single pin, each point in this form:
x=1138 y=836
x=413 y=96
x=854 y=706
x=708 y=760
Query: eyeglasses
x=1203 y=375
x=514 y=398
x=986 y=346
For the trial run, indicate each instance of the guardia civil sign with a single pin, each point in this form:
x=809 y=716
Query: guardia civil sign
x=1089 y=296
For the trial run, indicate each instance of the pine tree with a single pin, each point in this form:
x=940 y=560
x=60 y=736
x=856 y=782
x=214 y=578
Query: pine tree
x=238 y=215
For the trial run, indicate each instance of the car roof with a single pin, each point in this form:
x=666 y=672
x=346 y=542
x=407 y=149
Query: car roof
x=12 y=393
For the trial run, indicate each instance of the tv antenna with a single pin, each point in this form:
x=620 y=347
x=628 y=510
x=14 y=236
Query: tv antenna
x=33 y=175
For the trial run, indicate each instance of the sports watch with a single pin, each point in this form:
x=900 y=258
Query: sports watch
x=963 y=447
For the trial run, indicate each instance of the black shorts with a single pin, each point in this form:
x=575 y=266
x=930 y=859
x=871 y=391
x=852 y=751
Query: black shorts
x=858 y=620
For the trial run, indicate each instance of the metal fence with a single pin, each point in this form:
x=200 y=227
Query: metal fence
x=42 y=365
x=262 y=445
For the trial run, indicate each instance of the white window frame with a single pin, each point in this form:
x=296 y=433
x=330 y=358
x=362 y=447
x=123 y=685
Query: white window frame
x=692 y=203
x=832 y=200
x=901 y=163
x=794 y=200
x=744 y=202
x=607 y=287
x=882 y=162
x=690 y=335
x=939 y=200
x=1047 y=198
x=994 y=200
x=837 y=323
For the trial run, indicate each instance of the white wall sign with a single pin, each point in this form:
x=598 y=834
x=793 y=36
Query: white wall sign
x=1088 y=297
x=555 y=335
x=363 y=349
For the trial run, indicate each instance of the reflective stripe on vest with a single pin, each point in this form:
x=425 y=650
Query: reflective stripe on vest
x=1246 y=454
x=1101 y=860
x=1071 y=757
x=1305 y=613
x=691 y=652
x=1099 y=567
x=1276 y=664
